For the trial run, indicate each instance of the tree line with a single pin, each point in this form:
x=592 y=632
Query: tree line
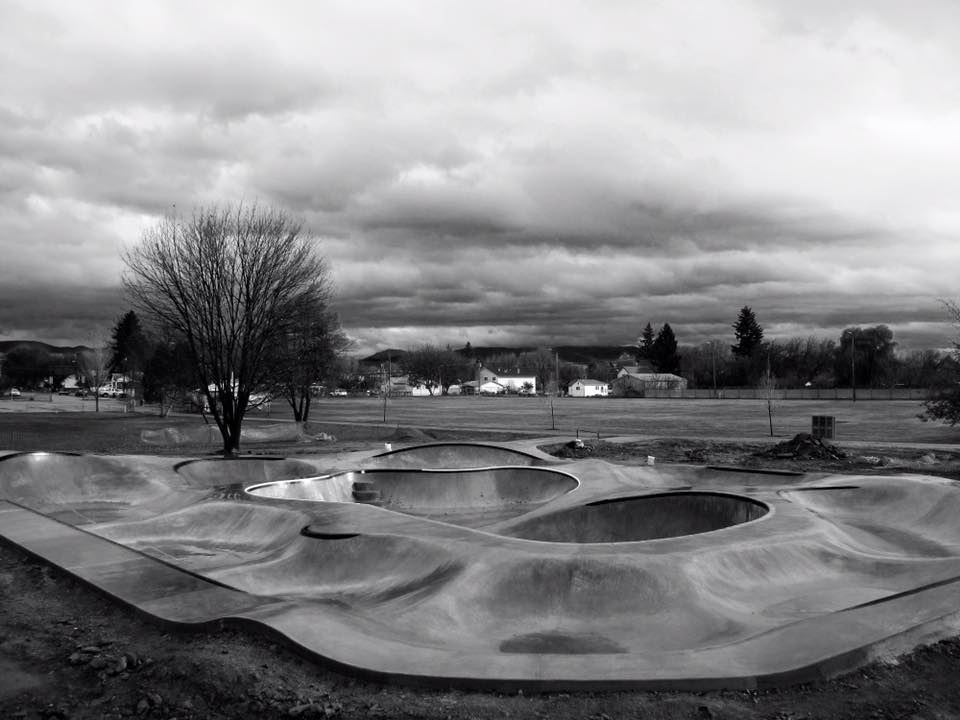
x=861 y=357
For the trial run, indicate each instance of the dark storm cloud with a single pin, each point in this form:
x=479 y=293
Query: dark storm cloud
x=60 y=314
x=498 y=172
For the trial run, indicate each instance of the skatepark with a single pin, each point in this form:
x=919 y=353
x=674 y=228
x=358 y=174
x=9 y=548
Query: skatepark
x=499 y=566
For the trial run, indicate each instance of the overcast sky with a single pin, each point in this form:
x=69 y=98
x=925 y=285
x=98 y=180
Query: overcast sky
x=533 y=173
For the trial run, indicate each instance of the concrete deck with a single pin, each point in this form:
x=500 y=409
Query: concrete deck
x=502 y=567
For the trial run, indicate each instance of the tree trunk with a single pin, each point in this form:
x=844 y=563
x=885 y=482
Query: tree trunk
x=231 y=437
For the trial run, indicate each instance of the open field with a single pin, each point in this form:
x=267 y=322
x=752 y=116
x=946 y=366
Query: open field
x=881 y=421
x=865 y=421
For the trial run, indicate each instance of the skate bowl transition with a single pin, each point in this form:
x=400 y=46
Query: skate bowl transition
x=497 y=566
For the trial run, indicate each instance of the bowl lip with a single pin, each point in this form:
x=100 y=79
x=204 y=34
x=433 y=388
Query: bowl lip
x=460 y=443
x=242 y=458
x=47 y=453
x=251 y=489
x=768 y=514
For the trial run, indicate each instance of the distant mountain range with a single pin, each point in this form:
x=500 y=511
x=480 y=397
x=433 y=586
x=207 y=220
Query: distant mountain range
x=579 y=354
x=8 y=345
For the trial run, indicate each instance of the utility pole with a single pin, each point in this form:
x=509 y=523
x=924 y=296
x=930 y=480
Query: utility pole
x=713 y=358
x=557 y=357
x=384 y=389
x=853 y=366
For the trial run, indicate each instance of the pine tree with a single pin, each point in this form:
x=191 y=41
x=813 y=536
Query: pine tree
x=128 y=345
x=663 y=353
x=646 y=344
x=748 y=333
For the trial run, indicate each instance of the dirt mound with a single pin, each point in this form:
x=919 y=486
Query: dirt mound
x=406 y=434
x=803 y=446
x=578 y=449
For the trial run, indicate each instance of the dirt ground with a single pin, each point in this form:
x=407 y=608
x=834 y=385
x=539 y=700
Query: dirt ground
x=65 y=652
x=802 y=456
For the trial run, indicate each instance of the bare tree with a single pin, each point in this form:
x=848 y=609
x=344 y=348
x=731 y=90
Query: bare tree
x=306 y=357
x=435 y=368
x=95 y=367
x=233 y=283
x=768 y=392
x=423 y=365
x=944 y=402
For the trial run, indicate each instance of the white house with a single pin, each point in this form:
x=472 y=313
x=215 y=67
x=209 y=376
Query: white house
x=400 y=385
x=492 y=388
x=588 y=388
x=512 y=380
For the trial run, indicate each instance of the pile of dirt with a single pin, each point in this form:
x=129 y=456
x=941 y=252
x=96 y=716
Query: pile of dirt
x=700 y=452
x=578 y=449
x=410 y=434
x=803 y=446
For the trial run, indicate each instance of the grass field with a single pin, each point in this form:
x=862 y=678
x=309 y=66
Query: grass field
x=873 y=421
x=864 y=421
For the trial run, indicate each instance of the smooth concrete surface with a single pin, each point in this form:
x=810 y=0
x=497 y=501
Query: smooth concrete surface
x=471 y=497
x=609 y=576
x=450 y=455
x=646 y=517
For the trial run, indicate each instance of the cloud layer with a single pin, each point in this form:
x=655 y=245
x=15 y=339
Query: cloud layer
x=531 y=173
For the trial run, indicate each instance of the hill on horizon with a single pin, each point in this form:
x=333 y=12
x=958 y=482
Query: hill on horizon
x=7 y=345
x=579 y=354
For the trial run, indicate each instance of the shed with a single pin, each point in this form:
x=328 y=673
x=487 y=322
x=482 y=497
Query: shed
x=588 y=388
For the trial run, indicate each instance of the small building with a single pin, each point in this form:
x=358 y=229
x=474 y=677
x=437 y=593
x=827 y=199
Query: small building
x=629 y=384
x=513 y=381
x=400 y=386
x=492 y=388
x=588 y=388
x=116 y=384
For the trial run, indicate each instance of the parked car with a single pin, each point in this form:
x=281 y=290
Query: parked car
x=339 y=392
x=14 y=392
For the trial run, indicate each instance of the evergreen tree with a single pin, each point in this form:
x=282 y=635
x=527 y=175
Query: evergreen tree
x=128 y=345
x=748 y=333
x=646 y=344
x=663 y=353
x=129 y=351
